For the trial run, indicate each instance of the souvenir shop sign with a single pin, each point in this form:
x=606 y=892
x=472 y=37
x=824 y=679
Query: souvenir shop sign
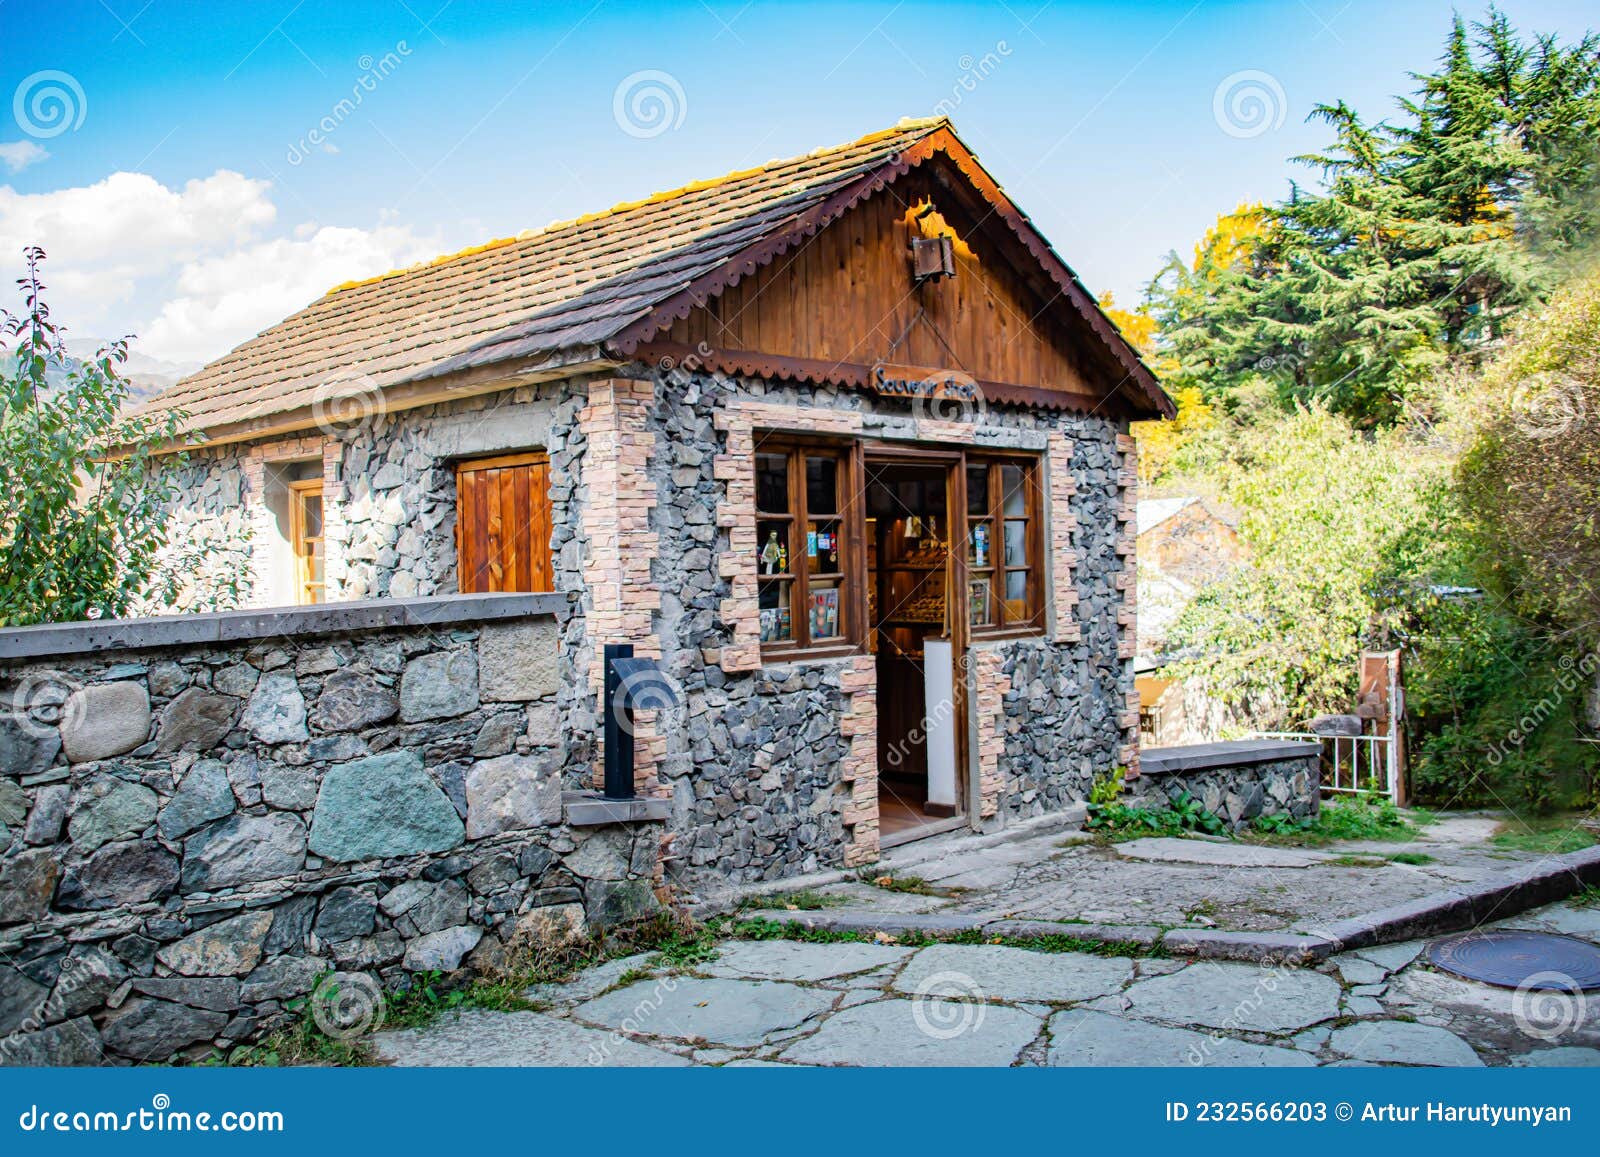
x=920 y=382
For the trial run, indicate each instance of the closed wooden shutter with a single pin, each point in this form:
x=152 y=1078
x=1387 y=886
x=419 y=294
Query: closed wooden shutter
x=503 y=524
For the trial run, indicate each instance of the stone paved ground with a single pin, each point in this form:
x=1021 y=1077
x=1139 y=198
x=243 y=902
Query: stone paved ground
x=1170 y=883
x=780 y=1002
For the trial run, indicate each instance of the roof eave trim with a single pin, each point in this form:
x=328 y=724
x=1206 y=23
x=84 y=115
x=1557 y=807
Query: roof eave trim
x=409 y=393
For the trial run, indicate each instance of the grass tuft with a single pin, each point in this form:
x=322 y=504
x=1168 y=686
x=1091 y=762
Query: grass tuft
x=1543 y=835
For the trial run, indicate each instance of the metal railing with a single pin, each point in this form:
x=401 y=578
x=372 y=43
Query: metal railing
x=1351 y=764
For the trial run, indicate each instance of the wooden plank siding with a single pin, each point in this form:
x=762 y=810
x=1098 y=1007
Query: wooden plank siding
x=503 y=524
x=847 y=296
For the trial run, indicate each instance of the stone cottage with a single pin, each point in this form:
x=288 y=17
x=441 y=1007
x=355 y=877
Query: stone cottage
x=840 y=441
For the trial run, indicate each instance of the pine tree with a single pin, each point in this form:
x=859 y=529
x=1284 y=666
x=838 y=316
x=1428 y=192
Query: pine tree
x=1421 y=241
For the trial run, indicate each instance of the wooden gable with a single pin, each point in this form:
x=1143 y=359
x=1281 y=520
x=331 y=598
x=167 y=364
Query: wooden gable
x=846 y=299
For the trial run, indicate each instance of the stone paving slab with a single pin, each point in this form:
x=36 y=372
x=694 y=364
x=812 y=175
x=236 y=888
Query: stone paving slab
x=994 y=971
x=718 y=1011
x=1170 y=850
x=902 y=1033
x=1085 y=1039
x=800 y=961
x=591 y=982
x=1399 y=1042
x=482 y=1038
x=1564 y=1056
x=1097 y=885
x=1354 y=969
x=1237 y=997
x=1393 y=957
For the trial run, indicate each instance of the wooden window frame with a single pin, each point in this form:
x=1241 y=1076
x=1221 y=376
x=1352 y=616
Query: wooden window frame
x=299 y=490
x=846 y=454
x=1033 y=544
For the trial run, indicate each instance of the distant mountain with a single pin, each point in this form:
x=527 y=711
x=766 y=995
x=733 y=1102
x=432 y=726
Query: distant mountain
x=147 y=375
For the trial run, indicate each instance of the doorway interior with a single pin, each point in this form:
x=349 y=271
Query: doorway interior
x=909 y=580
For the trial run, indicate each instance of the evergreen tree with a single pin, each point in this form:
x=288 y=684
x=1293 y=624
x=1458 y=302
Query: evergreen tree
x=1422 y=240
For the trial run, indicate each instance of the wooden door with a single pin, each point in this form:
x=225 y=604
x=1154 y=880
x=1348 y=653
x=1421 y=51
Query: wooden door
x=503 y=524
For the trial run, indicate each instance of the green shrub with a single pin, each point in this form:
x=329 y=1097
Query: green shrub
x=1184 y=815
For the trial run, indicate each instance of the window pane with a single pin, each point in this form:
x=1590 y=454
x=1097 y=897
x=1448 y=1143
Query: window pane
x=822 y=486
x=980 y=545
x=1012 y=499
x=772 y=539
x=777 y=622
x=1016 y=595
x=825 y=620
x=313 y=516
x=1016 y=543
x=822 y=546
x=977 y=491
x=772 y=483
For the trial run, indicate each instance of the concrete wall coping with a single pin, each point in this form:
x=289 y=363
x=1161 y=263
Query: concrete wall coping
x=97 y=635
x=1239 y=753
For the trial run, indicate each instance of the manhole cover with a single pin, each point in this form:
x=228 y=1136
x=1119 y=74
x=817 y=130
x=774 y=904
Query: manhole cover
x=1520 y=959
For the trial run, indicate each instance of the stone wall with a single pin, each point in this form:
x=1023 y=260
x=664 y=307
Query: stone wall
x=1066 y=704
x=203 y=816
x=1236 y=782
x=389 y=492
x=771 y=769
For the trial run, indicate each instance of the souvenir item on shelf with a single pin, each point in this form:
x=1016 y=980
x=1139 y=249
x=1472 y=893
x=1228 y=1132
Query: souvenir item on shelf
x=925 y=608
x=772 y=554
x=811 y=544
x=980 y=544
x=978 y=601
x=825 y=614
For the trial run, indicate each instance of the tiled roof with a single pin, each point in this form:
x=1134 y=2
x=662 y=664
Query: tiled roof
x=567 y=288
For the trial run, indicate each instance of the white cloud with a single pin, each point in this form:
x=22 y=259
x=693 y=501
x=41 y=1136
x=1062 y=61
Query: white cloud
x=18 y=155
x=192 y=271
x=241 y=292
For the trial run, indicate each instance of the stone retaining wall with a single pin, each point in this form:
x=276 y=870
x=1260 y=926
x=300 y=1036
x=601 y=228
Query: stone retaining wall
x=1236 y=782
x=201 y=817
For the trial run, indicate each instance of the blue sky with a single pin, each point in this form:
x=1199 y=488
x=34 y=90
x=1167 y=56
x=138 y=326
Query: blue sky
x=1101 y=120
